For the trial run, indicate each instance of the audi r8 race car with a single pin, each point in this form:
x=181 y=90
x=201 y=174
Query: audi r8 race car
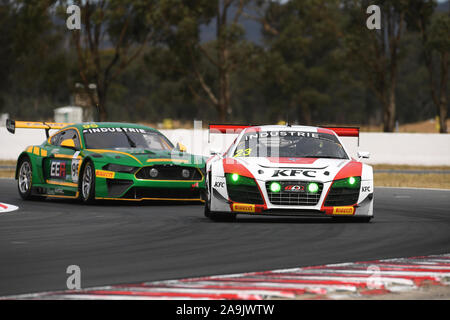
x=288 y=170
x=111 y=161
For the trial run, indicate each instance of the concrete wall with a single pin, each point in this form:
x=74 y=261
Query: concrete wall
x=389 y=148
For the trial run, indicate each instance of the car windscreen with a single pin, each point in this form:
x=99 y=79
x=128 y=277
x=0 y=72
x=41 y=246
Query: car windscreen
x=295 y=144
x=120 y=138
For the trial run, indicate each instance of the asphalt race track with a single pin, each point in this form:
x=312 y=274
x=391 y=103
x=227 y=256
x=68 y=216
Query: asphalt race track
x=116 y=242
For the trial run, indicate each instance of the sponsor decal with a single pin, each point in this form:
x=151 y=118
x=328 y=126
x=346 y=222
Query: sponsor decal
x=294 y=188
x=59 y=190
x=104 y=130
x=219 y=184
x=105 y=174
x=58 y=169
x=365 y=189
x=242 y=207
x=343 y=210
x=265 y=134
x=294 y=173
x=75 y=166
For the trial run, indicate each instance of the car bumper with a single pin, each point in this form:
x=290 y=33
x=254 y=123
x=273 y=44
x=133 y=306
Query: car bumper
x=127 y=187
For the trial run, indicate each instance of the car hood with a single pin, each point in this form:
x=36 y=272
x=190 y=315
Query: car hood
x=142 y=157
x=309 y=169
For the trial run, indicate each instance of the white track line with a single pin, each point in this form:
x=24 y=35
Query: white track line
x=5 y=207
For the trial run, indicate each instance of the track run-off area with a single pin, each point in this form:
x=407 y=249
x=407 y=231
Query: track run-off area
x=117 y=243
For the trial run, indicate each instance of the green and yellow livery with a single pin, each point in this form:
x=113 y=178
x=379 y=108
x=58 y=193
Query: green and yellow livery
x=109 y=161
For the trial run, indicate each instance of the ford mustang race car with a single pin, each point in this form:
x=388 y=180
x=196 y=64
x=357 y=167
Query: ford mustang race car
x=111 y=161
x=288 y=170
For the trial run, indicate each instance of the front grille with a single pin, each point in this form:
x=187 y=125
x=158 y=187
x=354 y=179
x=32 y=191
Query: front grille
x=342 y=197
x=117 y=186
x=244 y=193
x=169 y=172
x=165 y=193
x=300 y=197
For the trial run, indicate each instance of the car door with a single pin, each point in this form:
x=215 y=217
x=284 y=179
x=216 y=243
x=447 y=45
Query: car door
x=62 y=162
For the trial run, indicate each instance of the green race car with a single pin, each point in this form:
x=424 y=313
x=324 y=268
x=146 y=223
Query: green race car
x=110 y=161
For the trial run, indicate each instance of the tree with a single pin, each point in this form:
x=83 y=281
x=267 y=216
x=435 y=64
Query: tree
x=378 y=52
x=113 y=34
x=7 y=24
x=34 y=64
x=434 y=30
x=439 y=42
x=302 y=59
x=223 y=55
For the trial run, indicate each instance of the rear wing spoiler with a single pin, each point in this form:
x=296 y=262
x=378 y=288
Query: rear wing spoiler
x=11 y=125
x=235 y=129
x=345 y=131
x=227 y=128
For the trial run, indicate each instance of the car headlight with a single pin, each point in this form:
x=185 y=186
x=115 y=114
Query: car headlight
x=313 y=187
x=235 y=179
x=275 y=186
x=350 y=182
x=185 y=173
x=154 y=172
x=120 y=168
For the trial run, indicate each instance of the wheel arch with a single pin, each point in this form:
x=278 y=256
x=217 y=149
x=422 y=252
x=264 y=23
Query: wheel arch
x=22 y=156
x=83 y=164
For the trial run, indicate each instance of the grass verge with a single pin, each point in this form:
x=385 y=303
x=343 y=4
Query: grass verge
x=440 y=181
x=7 y=173
x=406 y=167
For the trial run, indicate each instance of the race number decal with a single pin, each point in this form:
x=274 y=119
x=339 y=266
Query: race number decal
x=74 y=167
x=243 y=152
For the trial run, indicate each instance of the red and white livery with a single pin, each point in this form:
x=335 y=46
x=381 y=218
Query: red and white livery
x=288 y=170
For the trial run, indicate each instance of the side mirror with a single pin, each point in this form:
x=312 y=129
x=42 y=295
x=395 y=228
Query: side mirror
x=181 y=147
x=68 y=143
x=214 y=153
x=363 y=155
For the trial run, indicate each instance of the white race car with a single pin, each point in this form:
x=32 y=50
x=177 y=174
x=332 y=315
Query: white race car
x=288 y=170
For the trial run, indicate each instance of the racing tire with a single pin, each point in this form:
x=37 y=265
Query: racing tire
x=215 y=216
x=87 y=183
x=207 y=207
x=25 y=179
x=218 y=216
x=206 y=210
